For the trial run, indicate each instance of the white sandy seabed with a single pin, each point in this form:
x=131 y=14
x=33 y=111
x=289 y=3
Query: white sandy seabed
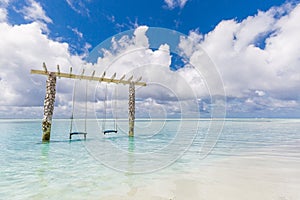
x=234 y=178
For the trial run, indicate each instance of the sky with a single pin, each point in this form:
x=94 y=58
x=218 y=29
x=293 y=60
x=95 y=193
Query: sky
x=200 y=58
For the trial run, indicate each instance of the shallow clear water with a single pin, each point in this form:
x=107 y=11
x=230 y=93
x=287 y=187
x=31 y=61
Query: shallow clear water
x=105 y=165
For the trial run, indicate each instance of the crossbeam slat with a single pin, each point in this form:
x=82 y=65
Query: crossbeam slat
x=83 y=77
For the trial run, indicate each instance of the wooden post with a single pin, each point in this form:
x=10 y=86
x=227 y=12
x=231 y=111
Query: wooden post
x=48 y=106
x=131 y=108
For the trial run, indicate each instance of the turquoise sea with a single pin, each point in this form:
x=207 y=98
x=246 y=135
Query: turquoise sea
x=117 y=167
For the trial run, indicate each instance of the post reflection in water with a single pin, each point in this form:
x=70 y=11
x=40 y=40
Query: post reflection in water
x=44 y=166
x=130 y=172
x=131 y=148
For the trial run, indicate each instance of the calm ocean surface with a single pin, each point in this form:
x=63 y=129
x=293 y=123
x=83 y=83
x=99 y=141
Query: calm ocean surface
x=105 y=165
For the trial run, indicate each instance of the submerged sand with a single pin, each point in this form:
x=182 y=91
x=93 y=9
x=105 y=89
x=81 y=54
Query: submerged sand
x=245 y=177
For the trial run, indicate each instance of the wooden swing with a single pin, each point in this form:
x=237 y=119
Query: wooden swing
x=72 y=116
x=115 y=130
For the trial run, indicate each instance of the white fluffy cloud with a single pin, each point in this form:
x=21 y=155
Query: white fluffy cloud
x=25 y=47
x=132 y=56
x=260 y=53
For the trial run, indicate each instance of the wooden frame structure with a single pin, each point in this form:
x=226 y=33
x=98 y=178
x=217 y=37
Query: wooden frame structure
x=51 y=91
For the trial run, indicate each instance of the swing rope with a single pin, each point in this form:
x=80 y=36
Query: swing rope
x=86 y=96
x=115 y=109
x=73 y=108
x=104 y=117
x=105 y=105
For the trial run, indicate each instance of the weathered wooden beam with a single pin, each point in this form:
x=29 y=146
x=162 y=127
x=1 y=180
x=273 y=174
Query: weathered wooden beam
x=131 y=106
x=83 y=77
x=49 y=106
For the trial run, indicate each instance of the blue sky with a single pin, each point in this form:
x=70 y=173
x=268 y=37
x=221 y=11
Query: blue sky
x=99 y=19
x=252 y=44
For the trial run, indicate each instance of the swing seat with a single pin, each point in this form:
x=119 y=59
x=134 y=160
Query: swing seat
x=78 y=133
x=110 y=131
